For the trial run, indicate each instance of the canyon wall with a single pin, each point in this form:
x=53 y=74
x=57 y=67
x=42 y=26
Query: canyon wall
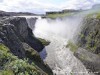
x=17 y=37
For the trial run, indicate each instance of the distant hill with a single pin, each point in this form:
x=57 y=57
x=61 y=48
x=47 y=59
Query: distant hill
x=71 y=10
x=4 y=13
x=63 y=11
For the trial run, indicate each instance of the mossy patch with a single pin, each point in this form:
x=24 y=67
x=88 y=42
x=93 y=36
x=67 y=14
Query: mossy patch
x=12 y=65
x=20 y=67
x=3 y=47
x=73 y=47
x=31 y=53
x=71 y=73
x=94 y=15
x=83 y=57
x=44 y=42
x=89 y=37
x=6 y=72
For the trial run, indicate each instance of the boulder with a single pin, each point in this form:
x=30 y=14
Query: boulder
x=90 y=60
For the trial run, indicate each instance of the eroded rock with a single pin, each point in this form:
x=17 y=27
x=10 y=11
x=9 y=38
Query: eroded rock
x=90 y=60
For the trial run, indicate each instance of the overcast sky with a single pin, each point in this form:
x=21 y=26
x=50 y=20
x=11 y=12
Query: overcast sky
x=40 y=6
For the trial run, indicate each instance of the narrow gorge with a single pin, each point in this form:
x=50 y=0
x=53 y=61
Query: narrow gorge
x=32 y=45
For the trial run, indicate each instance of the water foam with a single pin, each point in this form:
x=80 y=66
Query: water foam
x=58 y=57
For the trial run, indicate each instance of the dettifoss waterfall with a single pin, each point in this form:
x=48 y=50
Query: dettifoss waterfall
x=60 y=59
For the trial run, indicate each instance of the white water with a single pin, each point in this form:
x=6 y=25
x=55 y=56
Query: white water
x=60 y=59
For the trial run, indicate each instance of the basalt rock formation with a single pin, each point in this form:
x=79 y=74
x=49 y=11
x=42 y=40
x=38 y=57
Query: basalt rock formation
x=16 y=35
x=89 y=41
x=90 y=60
x=90 y=35
x=17 y=28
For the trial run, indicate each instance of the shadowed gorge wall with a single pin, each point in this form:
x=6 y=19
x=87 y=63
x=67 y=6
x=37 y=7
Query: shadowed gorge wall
x=18 y=37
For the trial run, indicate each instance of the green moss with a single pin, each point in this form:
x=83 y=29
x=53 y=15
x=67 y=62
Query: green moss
x=37 y=61
x=22 y=67
x=71 y=73
x=44 y=42
x=73 y=47
x=11 y=65
x=33 y=55
x=5 y=56
x=89 y=37
x=94 y=15
x=6 y=72
x=4 y=48
x=81 y=35
x=98 y=15
x=83 y=57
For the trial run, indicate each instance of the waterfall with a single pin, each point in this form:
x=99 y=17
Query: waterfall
x=60 y=59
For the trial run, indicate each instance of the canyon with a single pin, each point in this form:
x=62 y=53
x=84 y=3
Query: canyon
x=73 y=49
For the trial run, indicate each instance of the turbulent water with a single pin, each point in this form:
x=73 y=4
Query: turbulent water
x=60 y=59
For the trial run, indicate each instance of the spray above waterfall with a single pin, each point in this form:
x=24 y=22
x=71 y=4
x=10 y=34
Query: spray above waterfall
x=58 y=32
x=65 y=28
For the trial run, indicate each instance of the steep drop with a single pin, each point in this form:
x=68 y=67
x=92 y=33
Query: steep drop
x=58 y=57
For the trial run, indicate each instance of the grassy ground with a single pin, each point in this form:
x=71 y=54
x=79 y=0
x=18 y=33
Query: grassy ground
x=94 y=15
x=12 y=65
x=73 y=47
x=58 y=15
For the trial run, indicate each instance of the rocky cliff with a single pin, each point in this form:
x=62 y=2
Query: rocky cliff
x=89 y=41
x=4 y=13
x=89 y=37
x=17 y=37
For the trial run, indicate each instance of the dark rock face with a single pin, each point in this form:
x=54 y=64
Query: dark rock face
x=14 y=32
x=35 y=57
x=18 y=37
x=31 y=22
x=89 y=41
x=21 y=27
x=90 y=60
x=11 y=40
x=3 y=13
x=24 y=33
x=89 y=37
